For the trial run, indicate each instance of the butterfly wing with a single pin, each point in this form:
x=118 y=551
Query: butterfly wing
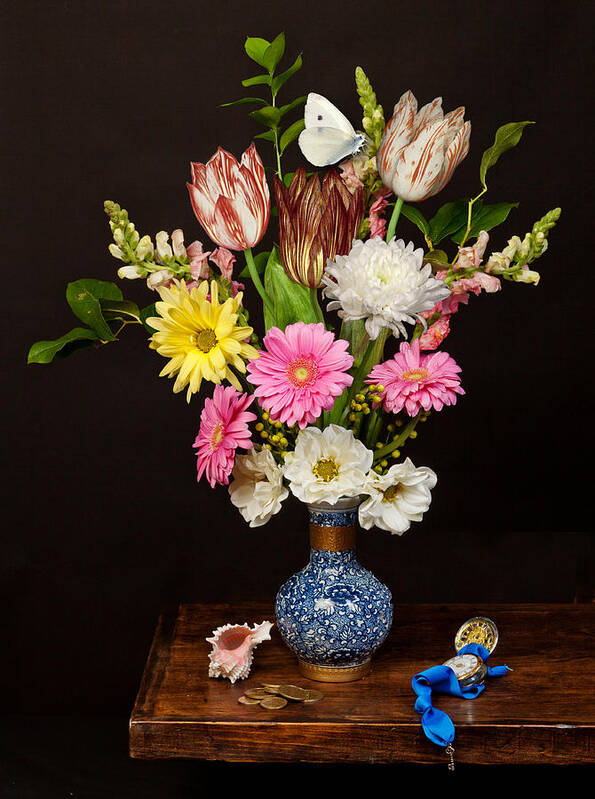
x=321 y=113
x=324 y=146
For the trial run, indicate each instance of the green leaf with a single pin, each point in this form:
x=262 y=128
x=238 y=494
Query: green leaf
x=287 y=178
x=255 y=48
x=274 y=53
x=484 y=217
x=83 y=296
x=411 y=213
x=268 y=116
x=244 y=101
x=46 y=351
x=285 y=109
x=257 y=80
x=115 y=309
x=507 y=136
x=281 y=79
x=447 y=220
x=145 y=313
x=268 y=135
x=291 y=302
x=291 y=134
x=260 y=261
x=353 y=332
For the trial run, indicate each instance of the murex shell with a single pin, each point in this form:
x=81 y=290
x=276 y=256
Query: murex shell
x=233 y=649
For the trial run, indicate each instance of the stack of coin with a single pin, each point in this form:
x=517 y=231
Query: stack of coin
x=274 y=696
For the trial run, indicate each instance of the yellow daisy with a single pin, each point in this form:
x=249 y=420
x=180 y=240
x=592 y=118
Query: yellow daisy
x=199 y=336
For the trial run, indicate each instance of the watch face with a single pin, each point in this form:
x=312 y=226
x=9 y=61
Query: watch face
x=464 y=666
x=478 y=630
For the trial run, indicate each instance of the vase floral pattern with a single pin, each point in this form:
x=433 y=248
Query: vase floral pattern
x=334 y=612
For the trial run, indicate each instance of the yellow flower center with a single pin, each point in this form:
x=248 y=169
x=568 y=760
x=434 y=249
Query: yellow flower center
x=205 y=340
x=302 y=372
x=326 y=469
x=216 y=435
x=392 y=492
x=415 y=374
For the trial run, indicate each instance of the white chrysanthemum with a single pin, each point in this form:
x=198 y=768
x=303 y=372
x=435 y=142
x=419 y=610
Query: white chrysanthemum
x=257 y=489
x=384 y=283
x=397 y=498
x=327 y=465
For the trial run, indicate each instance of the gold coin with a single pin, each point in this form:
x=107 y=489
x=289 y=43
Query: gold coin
x=248 y=700
x=313 y=696
x=271 y=687
x=273 y=702
x=293 y=692
x=256 y=693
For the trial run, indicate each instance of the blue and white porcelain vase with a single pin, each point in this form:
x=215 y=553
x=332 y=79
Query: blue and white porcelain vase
x=333 y=614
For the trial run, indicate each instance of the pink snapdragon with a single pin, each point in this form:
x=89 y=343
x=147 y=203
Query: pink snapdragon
x=225 y=260
x=199 y=266
x=377 y=221
x=300 y=372
x=223 y=428
x=435 y=334
x=415 y=382
x=349 y=176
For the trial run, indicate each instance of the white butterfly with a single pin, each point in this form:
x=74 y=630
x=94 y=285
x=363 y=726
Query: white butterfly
x=328 y=136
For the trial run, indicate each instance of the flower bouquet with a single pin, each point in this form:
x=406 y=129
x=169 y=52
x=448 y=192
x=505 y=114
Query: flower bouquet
x=324 y=403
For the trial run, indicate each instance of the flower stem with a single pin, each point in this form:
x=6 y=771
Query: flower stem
x=372 y=356
x=257 y=281
x=407 y=430
x=316 y=304
x=392 y=225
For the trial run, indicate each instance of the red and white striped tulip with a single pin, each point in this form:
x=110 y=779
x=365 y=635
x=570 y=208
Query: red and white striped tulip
x=231 y=201
x=420 y=150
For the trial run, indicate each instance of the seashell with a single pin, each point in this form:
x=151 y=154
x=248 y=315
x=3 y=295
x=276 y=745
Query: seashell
x=233 y=649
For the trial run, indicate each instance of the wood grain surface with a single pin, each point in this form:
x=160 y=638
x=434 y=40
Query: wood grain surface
x=542 y=712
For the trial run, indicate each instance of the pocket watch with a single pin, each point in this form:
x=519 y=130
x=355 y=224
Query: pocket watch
x=470 y=669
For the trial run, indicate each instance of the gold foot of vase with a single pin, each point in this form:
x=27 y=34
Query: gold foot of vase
x=334 y=673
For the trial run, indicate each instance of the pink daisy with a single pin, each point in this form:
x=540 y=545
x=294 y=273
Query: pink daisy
x=414 y=381
x=300 y=372
x=223 y=428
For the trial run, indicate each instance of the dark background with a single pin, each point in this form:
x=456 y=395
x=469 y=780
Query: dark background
x=104 y=520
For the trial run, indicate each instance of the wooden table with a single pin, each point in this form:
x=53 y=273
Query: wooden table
x=543 y=712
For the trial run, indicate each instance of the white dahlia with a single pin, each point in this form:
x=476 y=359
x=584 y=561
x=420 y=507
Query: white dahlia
x=397 y=498
x=257 y=489
x=384 y=283
x=327 y=465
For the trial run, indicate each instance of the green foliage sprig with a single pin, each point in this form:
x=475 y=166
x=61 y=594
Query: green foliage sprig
x=465 y=218
x=269 y=114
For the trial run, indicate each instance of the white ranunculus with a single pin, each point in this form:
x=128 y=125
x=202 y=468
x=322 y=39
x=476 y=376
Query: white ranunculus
x=397 y=498
x=257 y=489
x=384 y=283
x=327 y=465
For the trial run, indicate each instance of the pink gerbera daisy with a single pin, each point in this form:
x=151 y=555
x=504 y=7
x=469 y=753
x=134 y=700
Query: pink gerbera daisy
x=300 y=372
x=414 y=381
x=223 y=428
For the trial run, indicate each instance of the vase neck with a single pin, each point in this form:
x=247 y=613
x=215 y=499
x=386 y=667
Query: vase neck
x=332 y=528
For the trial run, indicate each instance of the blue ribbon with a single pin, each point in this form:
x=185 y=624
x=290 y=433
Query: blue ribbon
x=436 y=724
